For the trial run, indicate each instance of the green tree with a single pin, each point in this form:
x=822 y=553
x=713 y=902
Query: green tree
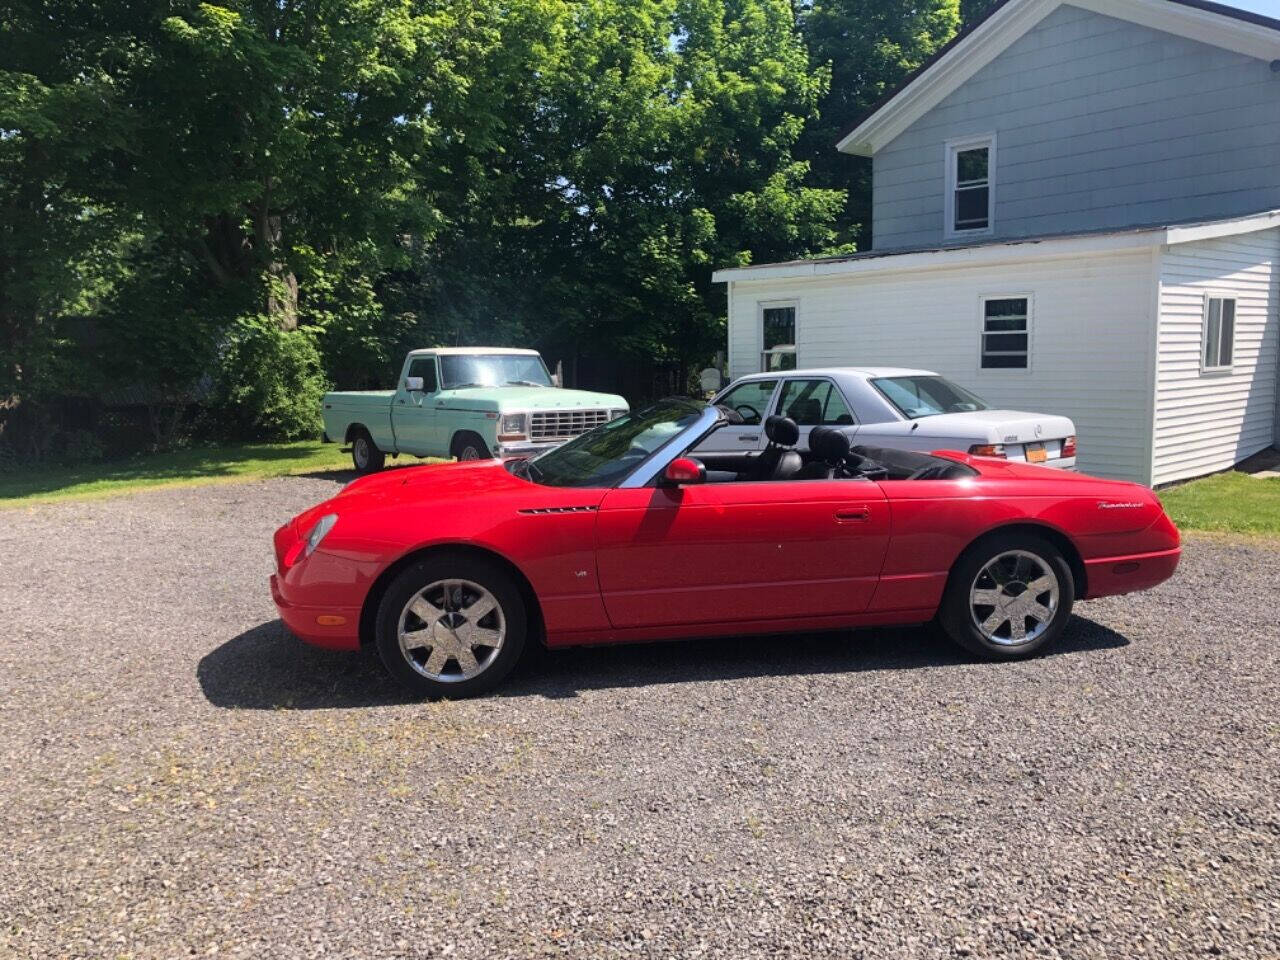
x=971 y=11
x=650 y=143
x=870 y=46
x=58 y=245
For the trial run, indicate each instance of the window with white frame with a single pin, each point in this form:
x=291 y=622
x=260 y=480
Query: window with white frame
x=970 y=206
x=1219 y=333
x=1006 y=333
x=778 y=335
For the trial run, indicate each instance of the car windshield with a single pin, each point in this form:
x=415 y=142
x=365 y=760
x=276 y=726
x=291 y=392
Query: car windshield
x=493 y=370
x=605 y=455
x=917 y=397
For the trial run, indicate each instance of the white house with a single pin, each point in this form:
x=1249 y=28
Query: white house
x=1076 y=209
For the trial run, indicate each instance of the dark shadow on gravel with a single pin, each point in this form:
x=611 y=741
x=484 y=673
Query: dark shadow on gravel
x=268 y=669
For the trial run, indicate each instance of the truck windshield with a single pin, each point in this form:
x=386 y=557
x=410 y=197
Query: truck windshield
x=605 y=455
x=917 y=397
x=493 y=370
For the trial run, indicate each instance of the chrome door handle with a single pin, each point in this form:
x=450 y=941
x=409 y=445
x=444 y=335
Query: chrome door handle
x=749 y=436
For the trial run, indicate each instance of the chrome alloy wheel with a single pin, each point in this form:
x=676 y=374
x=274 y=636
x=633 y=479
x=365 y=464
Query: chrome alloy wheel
x=452 y=630
x=469 y=452
x=1014 y=598
x=360 y=451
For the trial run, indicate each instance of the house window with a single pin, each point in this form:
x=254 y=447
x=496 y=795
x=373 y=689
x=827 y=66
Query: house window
x=1005 y=332
x=1219 y=333
x=778 y=329
x=970 y=186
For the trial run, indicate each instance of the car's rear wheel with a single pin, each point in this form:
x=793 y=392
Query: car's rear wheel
x=365 y=455
x=469 y=446
x=1009 y=596
x=451 y=626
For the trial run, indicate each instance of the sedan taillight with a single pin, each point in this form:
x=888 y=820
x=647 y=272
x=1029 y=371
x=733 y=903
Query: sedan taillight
x=987 y=450
x=1069 y=447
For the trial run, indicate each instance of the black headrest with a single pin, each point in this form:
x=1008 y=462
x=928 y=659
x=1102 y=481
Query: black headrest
x=828 y=443
x=782 y=431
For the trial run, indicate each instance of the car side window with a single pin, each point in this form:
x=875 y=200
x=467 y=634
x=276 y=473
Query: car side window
x=814 y=403
x=750 y=399
x=424 y=367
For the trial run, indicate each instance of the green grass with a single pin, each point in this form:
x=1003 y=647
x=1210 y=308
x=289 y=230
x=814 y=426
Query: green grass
x=251 y=461
x=1227 y=502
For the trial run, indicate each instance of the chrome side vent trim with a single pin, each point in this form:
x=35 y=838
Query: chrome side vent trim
x=533 y=511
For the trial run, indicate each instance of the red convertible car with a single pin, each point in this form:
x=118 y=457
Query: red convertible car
x=620 y=535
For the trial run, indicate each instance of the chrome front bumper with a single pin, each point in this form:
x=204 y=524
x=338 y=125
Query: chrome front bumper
x=526 y=448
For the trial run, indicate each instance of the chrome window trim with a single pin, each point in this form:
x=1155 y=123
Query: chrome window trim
x=645 y=473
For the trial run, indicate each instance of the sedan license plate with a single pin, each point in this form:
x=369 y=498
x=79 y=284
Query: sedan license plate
x=1036 y=453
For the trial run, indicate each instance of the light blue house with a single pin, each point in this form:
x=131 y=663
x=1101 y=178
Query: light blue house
x=1076 y=209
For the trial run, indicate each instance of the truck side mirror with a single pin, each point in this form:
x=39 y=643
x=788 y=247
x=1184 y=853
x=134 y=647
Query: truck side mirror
x=413 y=384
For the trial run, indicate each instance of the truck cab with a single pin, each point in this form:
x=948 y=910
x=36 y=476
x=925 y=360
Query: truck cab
x=469 y=403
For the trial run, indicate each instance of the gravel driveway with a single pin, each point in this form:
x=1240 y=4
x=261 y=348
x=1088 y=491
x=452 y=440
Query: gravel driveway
x=179 y=778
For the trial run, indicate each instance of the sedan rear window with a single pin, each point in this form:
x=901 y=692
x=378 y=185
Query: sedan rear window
x=916 y=397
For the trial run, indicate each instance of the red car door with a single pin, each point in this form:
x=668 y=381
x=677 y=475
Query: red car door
x=719 y=553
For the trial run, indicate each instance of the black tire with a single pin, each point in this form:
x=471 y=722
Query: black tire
x=469 y=446
x=365 y=455
x=412 y=582
x=1016 y=555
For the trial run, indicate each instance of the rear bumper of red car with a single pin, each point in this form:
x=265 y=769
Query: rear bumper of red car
x=1108 y=576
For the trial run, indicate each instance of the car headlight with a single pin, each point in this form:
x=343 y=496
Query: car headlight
x=514 y=424
x=319 y=532
x=615 y=414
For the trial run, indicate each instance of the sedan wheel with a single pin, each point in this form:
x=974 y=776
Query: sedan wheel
x=1008 y=596
x=451 y=625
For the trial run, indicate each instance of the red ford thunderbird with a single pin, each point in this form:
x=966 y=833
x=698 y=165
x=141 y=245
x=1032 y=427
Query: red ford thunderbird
x=620 y=535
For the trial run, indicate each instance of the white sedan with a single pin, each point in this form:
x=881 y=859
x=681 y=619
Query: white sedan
x=891 y=407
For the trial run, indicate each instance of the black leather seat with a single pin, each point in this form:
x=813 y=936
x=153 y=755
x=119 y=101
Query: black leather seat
x=777 y=461
x=829 y=447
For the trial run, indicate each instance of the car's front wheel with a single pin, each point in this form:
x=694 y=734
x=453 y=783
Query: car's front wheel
x=1008 y=597
x=451 y=626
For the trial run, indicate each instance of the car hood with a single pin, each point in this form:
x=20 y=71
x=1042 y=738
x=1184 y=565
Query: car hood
x=997 y=426
x=522 y=399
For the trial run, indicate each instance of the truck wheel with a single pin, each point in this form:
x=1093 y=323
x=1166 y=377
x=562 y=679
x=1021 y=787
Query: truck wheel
x=468 y=446
x=365 y=454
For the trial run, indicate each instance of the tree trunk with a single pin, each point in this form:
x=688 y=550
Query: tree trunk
x=282 y=283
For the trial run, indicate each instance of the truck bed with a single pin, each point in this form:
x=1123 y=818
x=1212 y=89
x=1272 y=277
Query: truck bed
x=369 y=408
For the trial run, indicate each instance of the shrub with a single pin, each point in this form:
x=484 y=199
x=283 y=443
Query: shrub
x=269 y=382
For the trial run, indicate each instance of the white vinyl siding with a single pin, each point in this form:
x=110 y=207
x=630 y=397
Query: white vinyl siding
x=1207 y=420
x=1092 y=351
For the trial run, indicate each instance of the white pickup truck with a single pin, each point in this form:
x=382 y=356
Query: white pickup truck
x=471 y=403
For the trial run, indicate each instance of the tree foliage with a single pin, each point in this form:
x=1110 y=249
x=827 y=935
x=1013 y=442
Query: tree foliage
x=252 y=198
x=871 y=46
